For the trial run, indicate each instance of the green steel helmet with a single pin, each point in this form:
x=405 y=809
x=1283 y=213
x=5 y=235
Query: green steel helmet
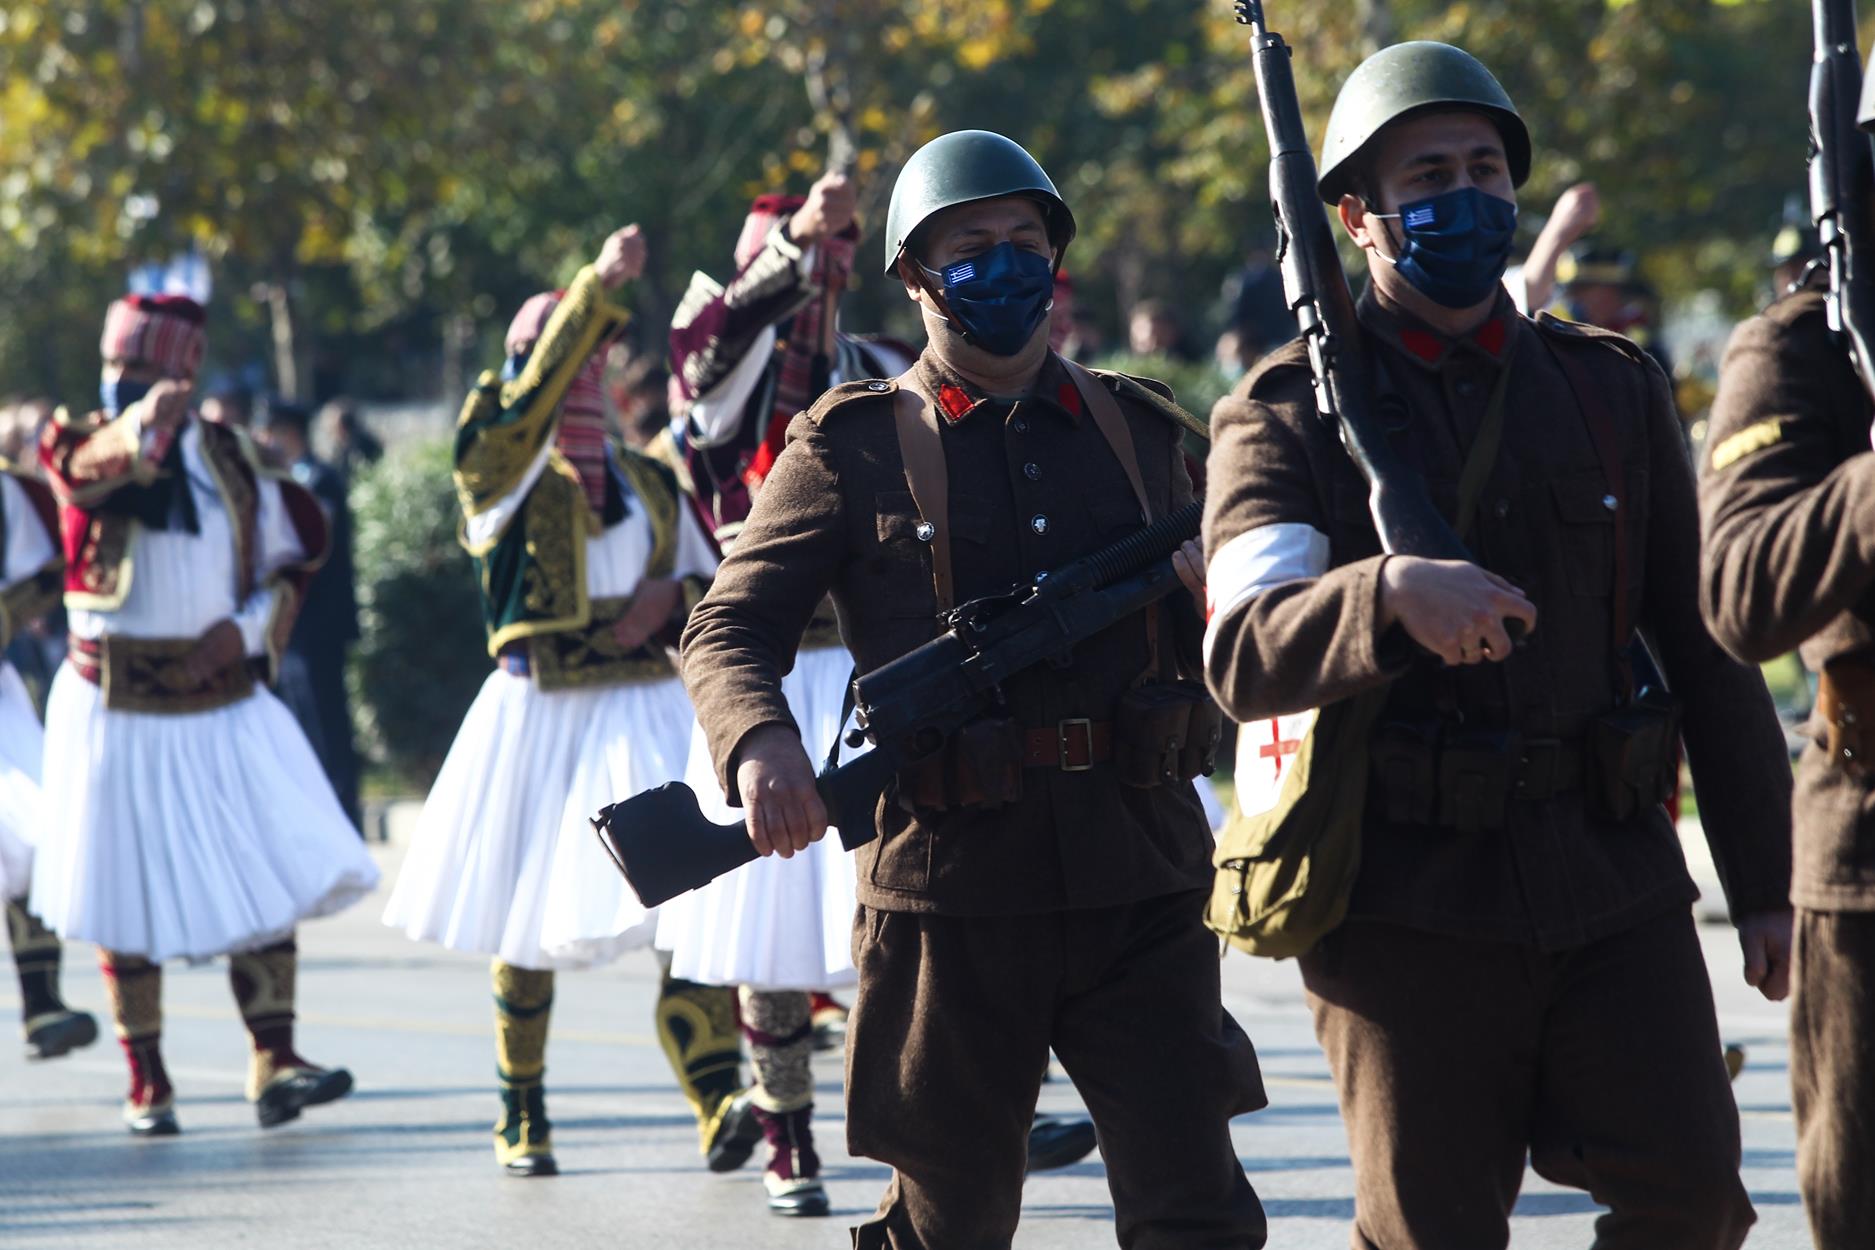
x=1408 y=78
x=960 y=168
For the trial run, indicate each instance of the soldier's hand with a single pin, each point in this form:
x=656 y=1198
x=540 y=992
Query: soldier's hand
x=776 y=781
x=215 y=650
x=622 y=258
x=1452 y=608
x=649 y=611
x=1764 y=937
x=830 y=207
x=1188 y=563
x=167 y=403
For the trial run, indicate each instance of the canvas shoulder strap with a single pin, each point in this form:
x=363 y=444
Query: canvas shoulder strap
x=1112 y=425
x=921 y=447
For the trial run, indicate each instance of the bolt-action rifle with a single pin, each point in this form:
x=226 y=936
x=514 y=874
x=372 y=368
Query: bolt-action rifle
x=1842 y=182
x=664 y=845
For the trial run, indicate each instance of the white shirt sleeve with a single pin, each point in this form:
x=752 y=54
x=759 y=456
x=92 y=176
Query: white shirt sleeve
x=29 y=547
x=716 y=415
x=694 y=557
x=486 y=526
x=279 y=546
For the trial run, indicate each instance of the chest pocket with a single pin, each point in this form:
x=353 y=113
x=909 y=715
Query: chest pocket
x=903 y=567
x=1585 y=531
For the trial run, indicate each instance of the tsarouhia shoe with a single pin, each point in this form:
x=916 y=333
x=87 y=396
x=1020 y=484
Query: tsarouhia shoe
x=1055 y=1143
x=736 y=1133
x=289 y=1090
x=154 y=1120
x=59 y=1032
x=793 y=1174
x=524 y=1138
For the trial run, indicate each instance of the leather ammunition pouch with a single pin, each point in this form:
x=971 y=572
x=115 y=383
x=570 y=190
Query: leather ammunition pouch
x=1464 y=779
x=978 y=766
x=1633 y=756
x=1165 y=734
x=1845 y=703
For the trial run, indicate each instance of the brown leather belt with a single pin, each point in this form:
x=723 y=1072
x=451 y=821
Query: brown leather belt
x=1073 y=746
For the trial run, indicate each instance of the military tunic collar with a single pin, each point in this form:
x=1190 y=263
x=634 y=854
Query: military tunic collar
x=1429 y=348
x=957 y=398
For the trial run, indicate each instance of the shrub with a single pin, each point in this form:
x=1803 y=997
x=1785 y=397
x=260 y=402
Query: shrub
x=421 y=655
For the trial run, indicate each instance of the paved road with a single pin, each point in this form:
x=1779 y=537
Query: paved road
x=406 y=1161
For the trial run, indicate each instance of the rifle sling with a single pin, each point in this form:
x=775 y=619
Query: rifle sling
x=921 y=447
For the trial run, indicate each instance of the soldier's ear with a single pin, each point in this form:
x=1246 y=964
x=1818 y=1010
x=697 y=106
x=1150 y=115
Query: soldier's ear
x=1353 y=210
x=916 y=289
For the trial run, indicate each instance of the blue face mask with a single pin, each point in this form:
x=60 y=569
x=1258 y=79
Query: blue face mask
x=117 y=394
x=512 y=366
x=1457 y=245
x=999 y=297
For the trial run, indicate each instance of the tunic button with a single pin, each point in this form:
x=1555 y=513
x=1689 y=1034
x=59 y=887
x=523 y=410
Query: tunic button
x=878 y=386
x=1032 y=471
x=1610 y=502
x=1501 y=509
x=1020 y=425
x=1039 y=524
x=925 y=531
x=1466 y=388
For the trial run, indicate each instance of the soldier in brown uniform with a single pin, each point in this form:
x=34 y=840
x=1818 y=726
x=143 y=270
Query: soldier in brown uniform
x=1789 y=503
x=1518 y=972
x=1064 y=909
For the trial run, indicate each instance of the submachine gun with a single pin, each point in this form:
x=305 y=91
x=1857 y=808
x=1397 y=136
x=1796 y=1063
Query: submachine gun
x=1842 y=182
x=663 y=844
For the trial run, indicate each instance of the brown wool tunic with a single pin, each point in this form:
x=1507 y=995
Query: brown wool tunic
x=1032 y=485
x=1557 y=876
x=1789 y=509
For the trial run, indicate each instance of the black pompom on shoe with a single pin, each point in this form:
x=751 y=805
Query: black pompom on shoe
x=58 y=1033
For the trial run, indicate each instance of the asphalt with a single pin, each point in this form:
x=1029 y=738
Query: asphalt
x=406 y=1160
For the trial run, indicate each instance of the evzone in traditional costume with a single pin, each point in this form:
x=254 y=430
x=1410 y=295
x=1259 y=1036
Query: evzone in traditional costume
x=186 y=815
x=30 y=584
x=745 y=358
x=588 y=559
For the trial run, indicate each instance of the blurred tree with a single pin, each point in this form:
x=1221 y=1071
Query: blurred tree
x=421 y=656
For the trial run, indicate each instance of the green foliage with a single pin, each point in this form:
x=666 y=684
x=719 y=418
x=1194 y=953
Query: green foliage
x=421 y=656
x=398 y=165
x=1196 y=385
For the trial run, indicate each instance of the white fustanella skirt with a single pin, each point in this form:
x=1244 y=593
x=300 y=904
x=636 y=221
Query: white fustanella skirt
x=187 y=835
x=22 y=744
x=504 y=860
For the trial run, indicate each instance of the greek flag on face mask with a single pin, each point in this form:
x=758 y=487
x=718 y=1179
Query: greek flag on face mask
x=1419 y=215
x=962 y=271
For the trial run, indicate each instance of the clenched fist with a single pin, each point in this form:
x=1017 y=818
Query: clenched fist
x=830 y=206
x=622 y=258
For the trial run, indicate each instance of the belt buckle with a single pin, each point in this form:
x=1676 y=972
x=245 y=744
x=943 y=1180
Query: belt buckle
x=1086 y=726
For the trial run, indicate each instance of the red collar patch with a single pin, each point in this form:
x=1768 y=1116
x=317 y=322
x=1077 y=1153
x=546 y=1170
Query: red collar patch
x=1069 y=397
x=1491 y=337
x=1428 y=347
x=954 y=401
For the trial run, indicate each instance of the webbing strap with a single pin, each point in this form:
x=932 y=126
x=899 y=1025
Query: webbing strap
x=1601 y=426
x=1113 y=427
x=921 y=447
x=1482 y=458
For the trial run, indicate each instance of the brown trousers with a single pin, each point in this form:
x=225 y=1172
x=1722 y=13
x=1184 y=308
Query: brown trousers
x=1832 y=1073
x=1454 y=1058
x=949 y=1037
